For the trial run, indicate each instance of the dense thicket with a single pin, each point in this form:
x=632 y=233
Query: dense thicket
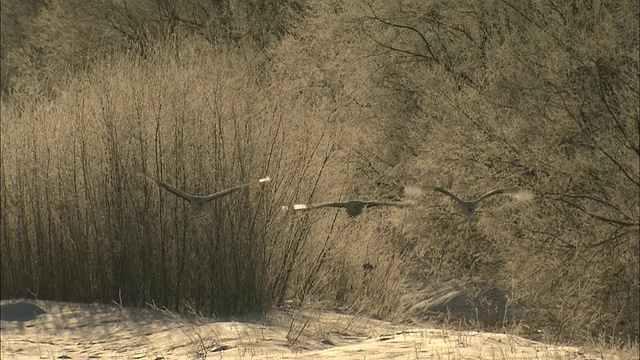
x=42 y=41
x=534 y=94
x=333 y=100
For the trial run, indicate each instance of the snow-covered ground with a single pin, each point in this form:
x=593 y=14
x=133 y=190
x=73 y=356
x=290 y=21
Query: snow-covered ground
x=81 y=331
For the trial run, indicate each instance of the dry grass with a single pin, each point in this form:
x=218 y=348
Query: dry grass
x=107 y=233
x=357 y=101
x=494 y=98
x=110 y=331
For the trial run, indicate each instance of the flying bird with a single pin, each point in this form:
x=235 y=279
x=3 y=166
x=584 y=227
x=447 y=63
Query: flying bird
x=353 y=208
x=468 y=207
x=199 y=201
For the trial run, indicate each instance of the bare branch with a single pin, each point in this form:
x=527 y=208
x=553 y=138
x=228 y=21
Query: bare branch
x=424 y=39
x=600 y=201
x=630 y=144
x=598 y=217
x=597 y=146
x=389 y=47
x=628 y=175
x=615 y=235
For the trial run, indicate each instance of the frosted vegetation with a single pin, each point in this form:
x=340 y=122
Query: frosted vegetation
x=334 y=100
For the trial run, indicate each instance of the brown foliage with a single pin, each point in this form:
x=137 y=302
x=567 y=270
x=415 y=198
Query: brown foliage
x=505 y=94
x=359 y=102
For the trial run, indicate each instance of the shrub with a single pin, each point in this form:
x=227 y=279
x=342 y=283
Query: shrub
x=500 y=94
x=44 y=42
x=80 y=225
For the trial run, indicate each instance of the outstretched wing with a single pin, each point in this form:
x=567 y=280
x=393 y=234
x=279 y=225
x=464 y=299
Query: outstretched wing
x=387 y=203
x=169 y=188
x=492 y=193
x=233 y=189
x=443 y=191
x=520 y=194
x=225 y=192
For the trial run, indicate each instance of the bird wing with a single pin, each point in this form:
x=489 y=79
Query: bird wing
x=443 y=191
x=169 y=188
x=491 y=193
x=387 y=203
x=235 y=188
x=520 y=194
x=225 y=192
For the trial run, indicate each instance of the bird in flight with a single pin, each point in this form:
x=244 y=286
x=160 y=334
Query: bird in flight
x=353 y=208
x=199 y=201
x=468 y=207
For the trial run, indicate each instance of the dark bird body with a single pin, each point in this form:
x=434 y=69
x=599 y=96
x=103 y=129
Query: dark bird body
x=353 y=207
